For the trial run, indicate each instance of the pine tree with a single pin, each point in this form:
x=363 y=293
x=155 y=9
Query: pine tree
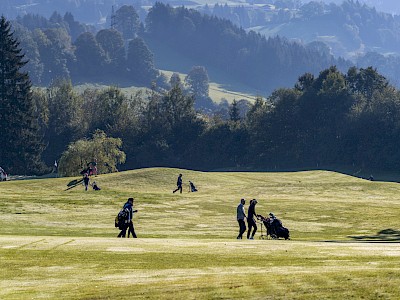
x=234 y=113
x=20 y=148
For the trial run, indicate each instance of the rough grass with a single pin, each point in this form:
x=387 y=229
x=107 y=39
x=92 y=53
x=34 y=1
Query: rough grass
x=57 y=243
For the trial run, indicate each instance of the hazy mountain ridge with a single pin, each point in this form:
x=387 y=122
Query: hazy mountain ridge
x=349 y=30
x=98 y=11
x=389 y=6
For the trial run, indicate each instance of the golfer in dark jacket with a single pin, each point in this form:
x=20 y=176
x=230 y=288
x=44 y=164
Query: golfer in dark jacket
x=86 y=181
x=240 y=218
x=179 y=184
x=128 y=206
x=250 y=219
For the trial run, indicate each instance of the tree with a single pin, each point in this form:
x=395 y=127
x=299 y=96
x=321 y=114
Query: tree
x=106 y=150
x=21 y=145
x=112 y=43
x=198 y=83
x=140 y=62
x=175 y=80
x=75 y=28
x=127 y=21
x=66 y=122
x=55 y=50
x=234 y=113
x=90 y=57
x=35 y=66
x=111 y=112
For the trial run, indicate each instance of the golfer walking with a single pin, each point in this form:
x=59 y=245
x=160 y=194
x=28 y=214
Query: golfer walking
x=128 y=206
x=240 y=218
x=179 y=184
x=86 y=181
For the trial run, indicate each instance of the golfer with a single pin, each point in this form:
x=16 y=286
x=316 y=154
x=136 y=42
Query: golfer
x=179 y=184
x=128 y=206
x=240 y=218
x=251 y=213
x=86 y=181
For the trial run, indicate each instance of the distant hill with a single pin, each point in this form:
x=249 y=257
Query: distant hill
x=389 y=6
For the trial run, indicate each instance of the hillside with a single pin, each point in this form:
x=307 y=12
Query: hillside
x=55 y=242
x=312 y=204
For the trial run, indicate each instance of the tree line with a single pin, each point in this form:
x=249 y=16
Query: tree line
x=333 y=119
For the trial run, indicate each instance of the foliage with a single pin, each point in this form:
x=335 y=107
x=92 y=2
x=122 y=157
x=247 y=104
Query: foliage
x=90 y=56
x=20 y=140
x=127 y=21
x=112 y=43
x=140 y=62
x=65 y=118
x=105 y=150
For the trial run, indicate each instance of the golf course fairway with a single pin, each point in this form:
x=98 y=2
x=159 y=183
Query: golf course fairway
x=60 y=243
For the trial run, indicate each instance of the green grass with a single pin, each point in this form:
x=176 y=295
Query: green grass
x=62 y=244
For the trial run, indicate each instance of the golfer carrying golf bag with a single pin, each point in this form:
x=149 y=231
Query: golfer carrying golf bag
x=128 y=208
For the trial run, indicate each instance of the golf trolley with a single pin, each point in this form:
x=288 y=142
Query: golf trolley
x=263 y=229
x=264 y=235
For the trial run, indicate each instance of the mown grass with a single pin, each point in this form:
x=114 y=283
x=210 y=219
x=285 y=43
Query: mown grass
x=57 y=243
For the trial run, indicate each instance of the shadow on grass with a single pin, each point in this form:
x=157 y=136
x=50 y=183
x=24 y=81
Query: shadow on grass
x=385 y=235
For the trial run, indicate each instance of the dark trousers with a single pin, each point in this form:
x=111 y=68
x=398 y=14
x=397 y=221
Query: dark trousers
x=251 y=224
x=178 y=188
x=242 y=228
x=131 y=230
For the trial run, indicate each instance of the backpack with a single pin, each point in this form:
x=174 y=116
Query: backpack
x=121 y=218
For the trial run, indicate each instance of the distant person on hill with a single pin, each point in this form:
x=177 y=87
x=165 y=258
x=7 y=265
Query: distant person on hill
x=128 y=224
x=86 y=181
x=251 y=213
x=241 y=215
x=179 y=184
x=92 y=166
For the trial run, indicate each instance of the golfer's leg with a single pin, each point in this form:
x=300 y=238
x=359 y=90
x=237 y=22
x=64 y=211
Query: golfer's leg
x=255 y=229
x=132 y=230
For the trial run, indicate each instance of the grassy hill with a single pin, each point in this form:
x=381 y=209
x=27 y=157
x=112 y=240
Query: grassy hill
x=217 y=91
x=62 y=243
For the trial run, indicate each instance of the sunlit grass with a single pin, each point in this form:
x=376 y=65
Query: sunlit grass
x=57 y=243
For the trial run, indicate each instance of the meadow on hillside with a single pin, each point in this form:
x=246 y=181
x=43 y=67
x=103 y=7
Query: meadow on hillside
x=57 y=243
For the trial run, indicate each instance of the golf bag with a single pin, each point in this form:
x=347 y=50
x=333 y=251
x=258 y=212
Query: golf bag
x=120 y=219
x=274 y=228
x=278 y=230
x=192 y=188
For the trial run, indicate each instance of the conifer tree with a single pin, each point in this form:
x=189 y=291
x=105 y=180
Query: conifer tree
x=20 y=146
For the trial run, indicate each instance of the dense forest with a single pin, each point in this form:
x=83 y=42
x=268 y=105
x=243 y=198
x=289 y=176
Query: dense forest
x=334 y=118
x=366 y=36
x=348 y=29
x=329 y=117
x=60 y=47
